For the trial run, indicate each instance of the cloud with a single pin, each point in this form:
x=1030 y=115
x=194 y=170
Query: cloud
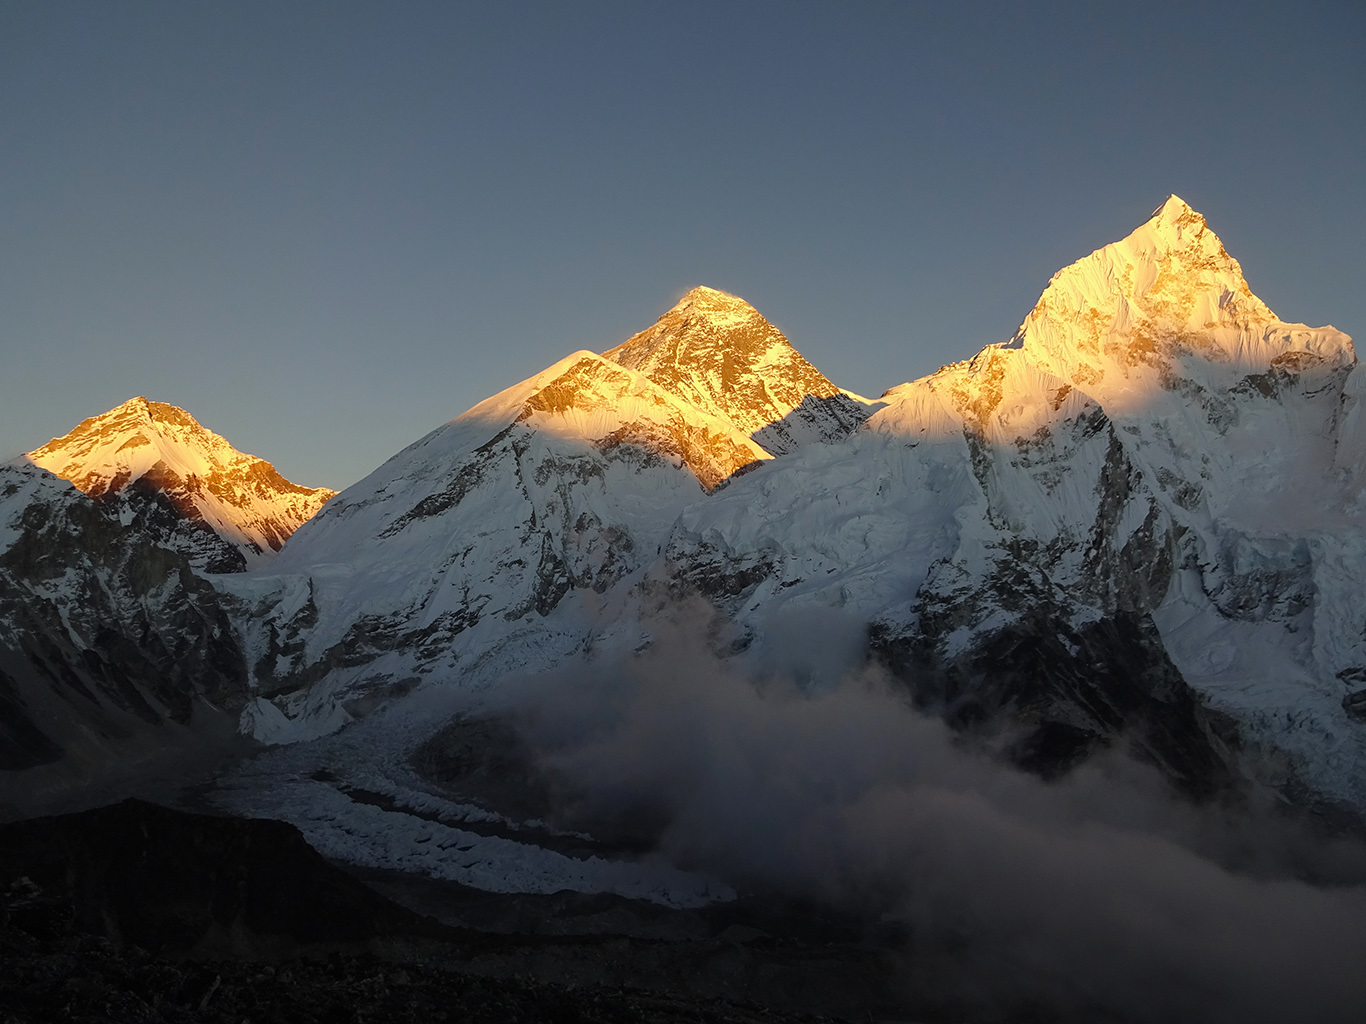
x=1098 y=894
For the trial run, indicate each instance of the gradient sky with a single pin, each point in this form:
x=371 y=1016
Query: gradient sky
x=324 y=229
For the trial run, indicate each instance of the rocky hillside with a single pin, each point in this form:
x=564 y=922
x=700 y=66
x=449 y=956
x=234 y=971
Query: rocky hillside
x=109 y=641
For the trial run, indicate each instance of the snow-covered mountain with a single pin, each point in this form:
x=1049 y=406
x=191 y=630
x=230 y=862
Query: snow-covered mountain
x=453 y=553
x=186 y=485
x=109 y=641
x=1138 y=518
x=1137 y=521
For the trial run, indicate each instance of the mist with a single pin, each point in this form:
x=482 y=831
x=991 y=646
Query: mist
x=795 y=771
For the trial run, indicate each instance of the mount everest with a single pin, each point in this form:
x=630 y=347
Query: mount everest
x=1136 y=521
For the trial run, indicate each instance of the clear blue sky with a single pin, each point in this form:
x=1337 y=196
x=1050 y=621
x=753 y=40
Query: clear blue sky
x=325 y=229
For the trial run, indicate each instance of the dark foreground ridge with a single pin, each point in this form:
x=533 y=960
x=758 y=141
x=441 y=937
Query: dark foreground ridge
x=138 y=913
x=183 y=884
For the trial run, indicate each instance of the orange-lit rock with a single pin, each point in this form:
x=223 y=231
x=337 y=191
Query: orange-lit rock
x=225 y=509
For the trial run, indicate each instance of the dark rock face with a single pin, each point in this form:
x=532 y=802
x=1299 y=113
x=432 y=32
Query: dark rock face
x=22 y=743
x=163 y=520
x=1073 y=692
x=100 y=625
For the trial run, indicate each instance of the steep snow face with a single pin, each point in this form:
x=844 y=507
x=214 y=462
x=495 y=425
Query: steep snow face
x=1246 y=429
x=459 y=553
x=465 y=541
x=584 y=396
x=990 y=528
x=1165 y=309
x=718 y=353
x=965 y=460
x=225 y=510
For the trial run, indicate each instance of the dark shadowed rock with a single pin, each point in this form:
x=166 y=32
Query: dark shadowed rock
x=167 y=881
x=99 y=910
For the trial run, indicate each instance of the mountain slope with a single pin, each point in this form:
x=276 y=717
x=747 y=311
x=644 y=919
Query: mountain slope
x=1135 y=525
x=109 y=642
x=1136 y=520
x=454 y=548
x=184 y=484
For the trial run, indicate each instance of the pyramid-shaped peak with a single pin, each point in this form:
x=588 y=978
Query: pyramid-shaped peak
x=1167 y=300
x=123 y=443
x=717 y=352
x=134 y=410
x=713 y=306
x=705 y=296
x=1175 y=225
x=702 y=324
x=703 y=291
x=705 y=324
x=141 y=410
x=154 y=448
x=1175 y=209
x=132 y=415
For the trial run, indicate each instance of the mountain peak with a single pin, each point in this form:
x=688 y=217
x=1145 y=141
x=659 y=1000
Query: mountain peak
x=1175 y=209
x=1169 y=300
x=133 y=405
x=152 y=448
x=705 y=293
x=1175 y=225
x=130 y=415
x=705 y=299
x=717 y=352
